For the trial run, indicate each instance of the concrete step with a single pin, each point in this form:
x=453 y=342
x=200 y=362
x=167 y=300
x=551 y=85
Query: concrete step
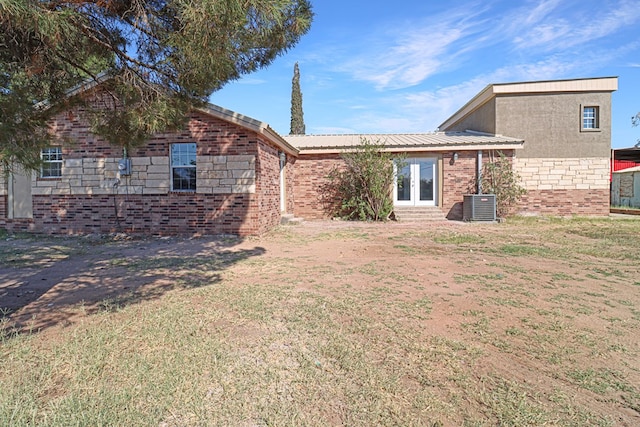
x=290 y=219
x=417 y=214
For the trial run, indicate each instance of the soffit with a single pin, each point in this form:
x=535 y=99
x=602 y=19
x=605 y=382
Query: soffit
x=597 y=84
x=435 y=141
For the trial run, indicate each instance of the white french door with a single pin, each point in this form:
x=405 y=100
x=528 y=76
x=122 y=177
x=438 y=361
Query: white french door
x=416 y=183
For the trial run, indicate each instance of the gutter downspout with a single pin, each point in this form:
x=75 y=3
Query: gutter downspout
x=479 y=173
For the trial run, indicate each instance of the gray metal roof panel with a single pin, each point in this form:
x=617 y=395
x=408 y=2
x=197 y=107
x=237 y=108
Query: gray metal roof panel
x=399 y=141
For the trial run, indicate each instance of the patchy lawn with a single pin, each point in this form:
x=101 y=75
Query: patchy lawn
x=530 y=322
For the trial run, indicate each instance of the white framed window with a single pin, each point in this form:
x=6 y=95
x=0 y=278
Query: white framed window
x=590 y=117
x=183 y=167
x=51 y=166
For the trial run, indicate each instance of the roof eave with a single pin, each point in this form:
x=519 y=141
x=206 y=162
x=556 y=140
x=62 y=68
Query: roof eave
x=251 y=124
x=593 y=84
x=422 y=148
x=480 y=99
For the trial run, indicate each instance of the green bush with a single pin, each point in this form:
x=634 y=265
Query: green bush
x=362 y=188
x=499 y=178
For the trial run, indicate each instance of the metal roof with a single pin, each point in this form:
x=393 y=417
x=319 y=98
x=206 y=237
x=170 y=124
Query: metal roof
x=632 y=153
x=633 y=169
x=435 y=141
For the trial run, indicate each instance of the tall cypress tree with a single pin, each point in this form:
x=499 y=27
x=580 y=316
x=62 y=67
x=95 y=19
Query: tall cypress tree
x=297 y=116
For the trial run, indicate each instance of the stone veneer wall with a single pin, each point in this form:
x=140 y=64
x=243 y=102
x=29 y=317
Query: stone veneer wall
x=564 y=186
x=231 y=174
x=85 y=199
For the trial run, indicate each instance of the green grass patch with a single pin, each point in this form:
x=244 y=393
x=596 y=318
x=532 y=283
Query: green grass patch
x=524 y=250
x=459 y=239
x=600 y=381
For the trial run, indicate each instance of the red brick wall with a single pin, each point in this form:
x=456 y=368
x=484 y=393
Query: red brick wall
x=310 y=174
x=290 y=179
x=17 y=225
x=172 y=213
x=175 y=213
x=565 y=202
x=459 y=179
x=12 y=225
x=214 y=137
x=268 y=187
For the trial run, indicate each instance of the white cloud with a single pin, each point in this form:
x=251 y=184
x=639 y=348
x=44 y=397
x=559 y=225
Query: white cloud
x=552 y=26
x=412 y=52
x=550 y=39
x=541 y=11
x=411 y=112
x=424 y=111
x=408 y=62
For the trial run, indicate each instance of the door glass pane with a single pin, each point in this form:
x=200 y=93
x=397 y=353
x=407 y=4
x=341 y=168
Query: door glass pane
x=403 y=183
x=426 y=180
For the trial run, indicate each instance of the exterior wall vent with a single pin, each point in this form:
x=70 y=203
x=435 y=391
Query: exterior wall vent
x=479 y=207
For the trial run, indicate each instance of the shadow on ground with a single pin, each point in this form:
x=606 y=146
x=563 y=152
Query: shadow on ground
x=52 y=281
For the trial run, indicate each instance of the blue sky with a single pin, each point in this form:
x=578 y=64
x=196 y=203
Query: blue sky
x=405 y=66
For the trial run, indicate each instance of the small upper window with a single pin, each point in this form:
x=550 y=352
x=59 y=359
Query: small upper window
x=51 y=162
x=183 y=167
x=590 y=118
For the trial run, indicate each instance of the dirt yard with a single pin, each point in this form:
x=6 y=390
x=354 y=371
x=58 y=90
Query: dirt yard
x=542 y=316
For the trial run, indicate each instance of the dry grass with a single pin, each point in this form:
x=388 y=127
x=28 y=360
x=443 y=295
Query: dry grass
x=534 y=322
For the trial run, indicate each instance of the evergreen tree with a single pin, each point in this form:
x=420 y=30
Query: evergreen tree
x=162 y=57
x=297 y=116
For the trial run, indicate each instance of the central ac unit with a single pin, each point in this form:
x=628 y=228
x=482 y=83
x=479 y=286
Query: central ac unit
x=479 y=207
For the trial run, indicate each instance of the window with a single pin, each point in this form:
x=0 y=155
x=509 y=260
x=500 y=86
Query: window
x=51 y=162
x=183 y=167
x=590 y=119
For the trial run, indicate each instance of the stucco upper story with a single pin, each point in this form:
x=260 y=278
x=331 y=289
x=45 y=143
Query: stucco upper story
x=600 y=84
x=548 y=115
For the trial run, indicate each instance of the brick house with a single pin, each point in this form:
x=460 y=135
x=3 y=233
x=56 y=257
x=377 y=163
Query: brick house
x=440 y=167
x=222 y=173
x=228 y=173
x=559 y=140
x=566 y=126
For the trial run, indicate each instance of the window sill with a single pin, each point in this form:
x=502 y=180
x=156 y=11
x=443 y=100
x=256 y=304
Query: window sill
x=49 y=178
x=591 y=130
